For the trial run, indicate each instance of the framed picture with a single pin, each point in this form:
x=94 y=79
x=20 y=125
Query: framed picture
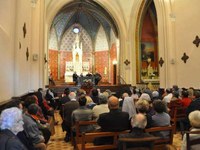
x=147 y=51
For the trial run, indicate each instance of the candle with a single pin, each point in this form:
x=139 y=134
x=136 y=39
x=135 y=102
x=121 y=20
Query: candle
x=105 y=70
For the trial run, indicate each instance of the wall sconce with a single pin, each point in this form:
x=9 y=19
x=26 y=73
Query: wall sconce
x=172 y=61
x=35 y=57
x=114 y=62
x=33 y=3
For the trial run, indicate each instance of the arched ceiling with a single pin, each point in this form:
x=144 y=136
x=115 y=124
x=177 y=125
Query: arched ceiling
x=86 y=13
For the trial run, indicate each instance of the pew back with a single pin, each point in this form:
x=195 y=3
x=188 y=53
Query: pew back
x=87 y=138
x=162 y=142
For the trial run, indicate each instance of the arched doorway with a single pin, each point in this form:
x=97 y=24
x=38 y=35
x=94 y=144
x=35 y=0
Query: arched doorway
x=97 y=40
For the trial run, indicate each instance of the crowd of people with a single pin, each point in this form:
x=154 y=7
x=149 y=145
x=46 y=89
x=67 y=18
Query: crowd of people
x=150 y=108
x=27 y=125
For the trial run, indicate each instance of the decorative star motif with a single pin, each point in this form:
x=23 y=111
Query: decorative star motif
x=24 y=30
x=20 y=45
x=196 y=41
x=161 y=61
x=45 y=59
x=185 y=57
x=27 y=54
x=127 y=62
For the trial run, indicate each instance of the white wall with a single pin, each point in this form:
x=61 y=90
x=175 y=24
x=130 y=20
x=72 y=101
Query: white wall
x=19 y=75
x=7 y=21
x=187 y=27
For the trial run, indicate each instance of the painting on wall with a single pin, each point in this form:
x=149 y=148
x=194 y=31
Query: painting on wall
x=147 y=51
x=149 y=65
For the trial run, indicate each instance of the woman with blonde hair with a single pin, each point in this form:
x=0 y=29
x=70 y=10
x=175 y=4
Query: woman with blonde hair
x=90 y=103
x=142 y=106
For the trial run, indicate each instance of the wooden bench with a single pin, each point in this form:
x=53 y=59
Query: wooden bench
x=87 y=139
x=162 y=142
x=191 y=142
x=77 y=138
x=150 y=140
x=179 y=114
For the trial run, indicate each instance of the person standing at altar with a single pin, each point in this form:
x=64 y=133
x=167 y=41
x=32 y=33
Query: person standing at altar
x=97 y=78
x=75 y=78
x=51 y=81
x=89 y=74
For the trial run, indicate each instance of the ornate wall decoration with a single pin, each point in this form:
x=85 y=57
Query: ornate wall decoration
x=27 y=54
x=20 y=45
x=196 y=41
x=45 y=58
x=185 y=57
x=127 y=62
x=161 y=61
x=24 y=30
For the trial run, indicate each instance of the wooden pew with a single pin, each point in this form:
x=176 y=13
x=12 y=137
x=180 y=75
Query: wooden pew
x=162 y=142
x=179 y=114
x=191 y=142
x=87 y=139
x=77 y=138
x=150 y=140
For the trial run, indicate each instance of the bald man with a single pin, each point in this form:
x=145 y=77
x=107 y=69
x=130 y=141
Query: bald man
x=138 y=123
x=114 y=120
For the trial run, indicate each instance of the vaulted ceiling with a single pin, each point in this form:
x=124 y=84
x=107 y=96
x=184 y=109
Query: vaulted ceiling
x=86 y=13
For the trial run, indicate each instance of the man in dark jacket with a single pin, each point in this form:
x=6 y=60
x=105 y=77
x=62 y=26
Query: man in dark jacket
x=68 y=108
x=113 y=121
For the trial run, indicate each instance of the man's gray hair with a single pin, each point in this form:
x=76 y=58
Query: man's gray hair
x=139 y=121
x=11 y=119
x=194 y=118
x=103 y=99
x=72 y=95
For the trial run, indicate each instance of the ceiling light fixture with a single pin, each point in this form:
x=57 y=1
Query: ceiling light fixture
x=76 y=28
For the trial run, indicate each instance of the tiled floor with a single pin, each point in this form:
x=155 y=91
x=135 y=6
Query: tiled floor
x=57 y=142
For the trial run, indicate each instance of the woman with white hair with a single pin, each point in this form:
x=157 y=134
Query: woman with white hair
x=11 y=123
x=194 y=118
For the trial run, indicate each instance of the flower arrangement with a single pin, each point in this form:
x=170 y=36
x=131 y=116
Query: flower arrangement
x=87 y=85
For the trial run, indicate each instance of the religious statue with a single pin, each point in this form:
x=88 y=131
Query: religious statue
x=150 y=72
x=77 y=55
x=76 y=64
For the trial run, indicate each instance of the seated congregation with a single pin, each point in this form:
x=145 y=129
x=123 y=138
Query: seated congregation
x=100 y=120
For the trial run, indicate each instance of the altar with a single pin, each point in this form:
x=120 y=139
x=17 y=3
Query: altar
x=76 y=65
x=83 y=79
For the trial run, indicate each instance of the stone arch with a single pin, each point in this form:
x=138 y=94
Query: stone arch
x=163 y=10
x=54 y=6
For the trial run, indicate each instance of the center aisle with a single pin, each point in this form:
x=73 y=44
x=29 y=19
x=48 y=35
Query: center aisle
x=57 y=140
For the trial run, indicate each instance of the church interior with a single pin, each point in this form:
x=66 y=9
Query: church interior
x=115 y=45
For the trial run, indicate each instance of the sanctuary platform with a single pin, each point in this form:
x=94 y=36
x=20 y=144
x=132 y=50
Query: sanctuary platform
x=116 y=90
